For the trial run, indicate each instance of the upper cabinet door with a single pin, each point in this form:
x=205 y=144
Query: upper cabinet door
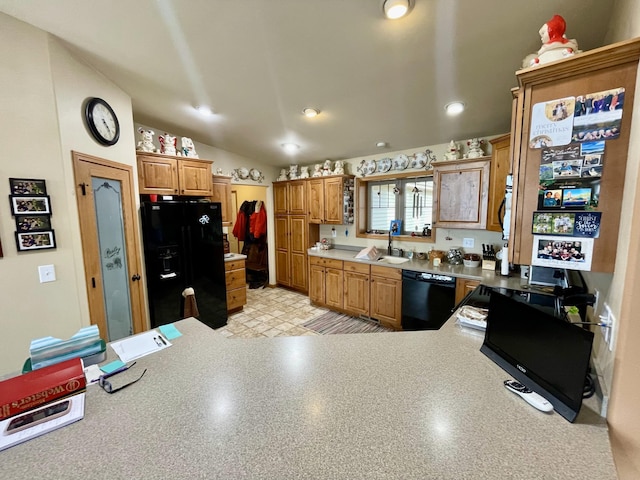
x=334 y=200
x=297 y=197
x=157 y=175
x=500 y=167
x=195 y=177
x=316 y=200
x=280 y=198
x=461 y=189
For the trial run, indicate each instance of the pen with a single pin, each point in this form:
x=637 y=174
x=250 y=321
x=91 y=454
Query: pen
x=155 y=339
x=162 y=339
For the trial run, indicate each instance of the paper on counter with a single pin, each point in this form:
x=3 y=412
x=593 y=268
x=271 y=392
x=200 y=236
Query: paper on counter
x=92 y=374
x=170 y=331
x=139 y=345
x=112 y=366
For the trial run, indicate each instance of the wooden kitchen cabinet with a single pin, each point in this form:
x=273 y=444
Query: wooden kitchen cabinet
x=460 y=193
x=236 y=283
x=221 y=192
x=607 y=68
x=330 y=198
x=463 y=287
x=500 y=168
x=291 y=251
x=386 y=296
x=326 y=282
x=356 y=288
x=170 y=175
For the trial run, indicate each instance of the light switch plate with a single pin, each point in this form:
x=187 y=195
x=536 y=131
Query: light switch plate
x=468 y=242
x=47 y=273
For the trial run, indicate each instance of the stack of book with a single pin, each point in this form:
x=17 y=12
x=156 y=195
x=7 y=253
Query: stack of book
x=40 y=401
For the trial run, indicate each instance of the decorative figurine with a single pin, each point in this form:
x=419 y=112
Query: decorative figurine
x=339 y=168
x=475 y=148
x=304 y=172
x=555 y=44
x=283 y=175
x=146 y=143
x=218 y=171
x=326 y=168
x=293 y=172
x=317 y=170
x=453 y=151
x=188 y=148
x=167 y=144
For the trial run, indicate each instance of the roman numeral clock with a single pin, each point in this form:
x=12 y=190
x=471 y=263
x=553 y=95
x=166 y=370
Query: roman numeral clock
x=102 y=121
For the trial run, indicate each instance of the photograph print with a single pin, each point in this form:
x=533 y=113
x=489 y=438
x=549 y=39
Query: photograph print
x=570 y=224
x=598 y=115
x=562 y=252
x=35 y=241
x=27 y=186
x=33 y=223
x=21 y=205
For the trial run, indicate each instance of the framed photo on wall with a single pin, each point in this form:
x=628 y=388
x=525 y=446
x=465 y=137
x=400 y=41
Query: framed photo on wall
x=27 y=186
x=33 y=223
x=35 y=241
x=23 y=205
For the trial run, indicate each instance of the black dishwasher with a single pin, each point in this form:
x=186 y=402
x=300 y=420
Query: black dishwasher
x=427 y=300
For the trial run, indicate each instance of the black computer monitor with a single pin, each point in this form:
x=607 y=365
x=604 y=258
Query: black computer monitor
x=548 y=355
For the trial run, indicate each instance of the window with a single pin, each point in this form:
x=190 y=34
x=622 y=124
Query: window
x=407 y=199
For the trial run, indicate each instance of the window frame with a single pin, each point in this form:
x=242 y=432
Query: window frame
x=362 y=207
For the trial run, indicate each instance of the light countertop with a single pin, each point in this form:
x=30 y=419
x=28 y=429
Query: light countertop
x=402 y=405
x=231 y=257
x=487 y=277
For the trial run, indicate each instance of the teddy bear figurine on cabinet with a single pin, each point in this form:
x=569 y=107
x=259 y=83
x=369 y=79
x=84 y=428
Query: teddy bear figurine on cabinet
x=167 y=144
x=188 y=148
x=475 y=148
x=338 y=168
x=283 y=175
x=453 y=151
x=317 y=170
x=146 y=142
x=326 y=168
x=304 y=172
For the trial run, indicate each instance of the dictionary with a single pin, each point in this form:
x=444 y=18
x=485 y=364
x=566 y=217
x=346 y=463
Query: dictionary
x=30 y=390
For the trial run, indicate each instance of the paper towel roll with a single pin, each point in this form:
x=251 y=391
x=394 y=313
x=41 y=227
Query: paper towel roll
x=504 y=266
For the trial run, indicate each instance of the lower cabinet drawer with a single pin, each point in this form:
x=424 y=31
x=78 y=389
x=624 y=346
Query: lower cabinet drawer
x=236 y=279
x=236 y=298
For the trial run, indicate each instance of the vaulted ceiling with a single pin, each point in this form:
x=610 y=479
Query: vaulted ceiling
x=258 y=63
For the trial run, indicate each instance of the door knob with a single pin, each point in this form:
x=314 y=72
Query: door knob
x=135 y=277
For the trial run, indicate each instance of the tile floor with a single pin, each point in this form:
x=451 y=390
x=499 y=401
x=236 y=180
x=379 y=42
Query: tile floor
x=272 y=312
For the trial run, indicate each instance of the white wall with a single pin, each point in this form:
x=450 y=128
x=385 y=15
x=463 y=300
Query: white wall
x=43 y=91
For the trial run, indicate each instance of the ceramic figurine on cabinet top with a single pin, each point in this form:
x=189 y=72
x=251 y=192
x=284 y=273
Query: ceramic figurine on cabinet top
x=293 y=172
x=146 y=142
x=283 y=175
x=453 y=151
x=218 y=171
x=338 y=168
x=304 y=172
x=555 y=44
x=317 y=170
x=167 y=144
x=475 y=148
x=188 y=148
x=326 y=168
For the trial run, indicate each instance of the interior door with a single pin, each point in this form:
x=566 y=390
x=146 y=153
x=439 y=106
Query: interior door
x=112 y=263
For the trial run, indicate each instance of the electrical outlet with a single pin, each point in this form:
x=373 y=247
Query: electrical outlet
x=468 y=242
x=608 y=323
x=47 y=273
x=596 y=303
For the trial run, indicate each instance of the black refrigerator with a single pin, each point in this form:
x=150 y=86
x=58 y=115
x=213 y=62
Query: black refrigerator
x=183 y=247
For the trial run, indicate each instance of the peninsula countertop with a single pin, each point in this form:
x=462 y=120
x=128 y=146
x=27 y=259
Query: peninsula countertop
x=402 y=405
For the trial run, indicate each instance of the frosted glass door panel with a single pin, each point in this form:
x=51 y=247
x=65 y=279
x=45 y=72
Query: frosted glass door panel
x=113 y=256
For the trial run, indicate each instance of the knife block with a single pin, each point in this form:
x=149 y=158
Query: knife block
x=488 y=264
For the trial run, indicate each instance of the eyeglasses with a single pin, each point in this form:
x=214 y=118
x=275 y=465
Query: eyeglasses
x=107 y=387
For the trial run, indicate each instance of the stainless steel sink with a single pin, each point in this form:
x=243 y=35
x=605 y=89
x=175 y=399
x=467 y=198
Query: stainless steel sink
x=392 y=260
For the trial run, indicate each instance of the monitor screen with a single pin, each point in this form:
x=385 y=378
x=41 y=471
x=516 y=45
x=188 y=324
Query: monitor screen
x=548 y=355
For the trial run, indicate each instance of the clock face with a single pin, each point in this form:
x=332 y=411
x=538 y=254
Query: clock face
x=102 y=121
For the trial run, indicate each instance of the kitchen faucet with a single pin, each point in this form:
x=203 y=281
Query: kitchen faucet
x=389 y=248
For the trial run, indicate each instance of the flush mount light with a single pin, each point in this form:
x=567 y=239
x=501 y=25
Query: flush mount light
x=454 y=108
x=381 y=144
x=394 y=9
x=310 y=112
x=290 y=148
x=204 y=110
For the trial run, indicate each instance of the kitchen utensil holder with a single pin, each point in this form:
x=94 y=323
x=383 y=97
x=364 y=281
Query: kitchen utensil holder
x=488 y=264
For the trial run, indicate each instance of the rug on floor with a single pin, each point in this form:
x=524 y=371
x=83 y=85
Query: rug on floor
x=332 y=323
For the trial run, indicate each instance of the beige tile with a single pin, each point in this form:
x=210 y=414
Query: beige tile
x=261 y=327
x=284 y=326
x=273 y=332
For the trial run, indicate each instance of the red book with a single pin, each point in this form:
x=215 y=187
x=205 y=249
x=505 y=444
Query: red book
x=29 y=390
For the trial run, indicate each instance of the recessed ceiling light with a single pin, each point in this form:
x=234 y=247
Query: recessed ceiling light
x=290 y=148
x=381 y=144
x=394 y=9
x=204 y=110
x=454 y=108
x=310 y=112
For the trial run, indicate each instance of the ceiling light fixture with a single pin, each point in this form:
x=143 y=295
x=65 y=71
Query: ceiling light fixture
x=310 y=112
x=454 y=108
x=381 y=144
x=204 y=110
x=394 y=9
x=290 y=148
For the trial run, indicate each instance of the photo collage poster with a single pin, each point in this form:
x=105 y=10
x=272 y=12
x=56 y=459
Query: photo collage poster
x=571 y=133
x=562 y=252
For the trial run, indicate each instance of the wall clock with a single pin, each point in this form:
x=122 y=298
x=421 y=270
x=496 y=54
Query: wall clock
x=102 y=121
